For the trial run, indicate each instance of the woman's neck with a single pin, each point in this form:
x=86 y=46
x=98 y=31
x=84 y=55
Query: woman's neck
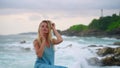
x=46 y=36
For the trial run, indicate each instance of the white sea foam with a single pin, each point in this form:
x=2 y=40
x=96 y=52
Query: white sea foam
x=106 y=38
x=72 y=52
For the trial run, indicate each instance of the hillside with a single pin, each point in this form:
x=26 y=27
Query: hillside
x=104 y=26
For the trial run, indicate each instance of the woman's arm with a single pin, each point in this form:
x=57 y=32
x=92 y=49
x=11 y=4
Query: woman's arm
x=39 y=48
x=59 y=38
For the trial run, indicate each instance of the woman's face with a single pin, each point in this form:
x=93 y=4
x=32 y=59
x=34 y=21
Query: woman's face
x=44 y=27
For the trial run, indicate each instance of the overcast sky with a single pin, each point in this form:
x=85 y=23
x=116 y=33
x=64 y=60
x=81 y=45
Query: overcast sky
x=18 y=16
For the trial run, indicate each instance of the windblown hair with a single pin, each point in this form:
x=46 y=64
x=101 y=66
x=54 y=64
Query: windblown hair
x=49 y=39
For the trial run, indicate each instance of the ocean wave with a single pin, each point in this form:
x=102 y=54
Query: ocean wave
x=106 y=38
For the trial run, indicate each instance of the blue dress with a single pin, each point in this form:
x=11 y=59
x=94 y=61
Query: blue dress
x=47 y=59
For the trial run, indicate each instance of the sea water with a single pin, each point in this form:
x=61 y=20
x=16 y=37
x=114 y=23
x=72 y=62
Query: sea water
x=72 y=52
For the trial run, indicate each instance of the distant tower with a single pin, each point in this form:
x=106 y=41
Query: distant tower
x=119 y=13
x=101 y=12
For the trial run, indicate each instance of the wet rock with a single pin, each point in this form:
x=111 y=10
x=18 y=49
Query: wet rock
x=105 y=51
x=28 y=49
x=116 y=43
x=117 y=51
x=114 y=56
x=92 y=46
x=110 y=61
x=25 y=49
x=23 y=42
x=95 y=46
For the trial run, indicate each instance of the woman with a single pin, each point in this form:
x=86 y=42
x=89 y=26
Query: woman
x=44 y=45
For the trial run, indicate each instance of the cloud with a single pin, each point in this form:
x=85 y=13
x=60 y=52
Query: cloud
x=60 y=4
x=64 y=12
x=71 y=8
x=34 y=17
x=68 y=6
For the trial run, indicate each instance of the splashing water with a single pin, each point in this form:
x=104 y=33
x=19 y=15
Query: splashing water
x=73 y=52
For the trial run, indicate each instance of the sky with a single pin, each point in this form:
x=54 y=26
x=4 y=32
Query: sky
x=17 y=16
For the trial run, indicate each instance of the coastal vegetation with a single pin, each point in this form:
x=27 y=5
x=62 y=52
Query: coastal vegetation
x=104 y=26
x=107 y=23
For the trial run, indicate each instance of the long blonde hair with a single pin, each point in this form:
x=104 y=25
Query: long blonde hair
x=49 y=39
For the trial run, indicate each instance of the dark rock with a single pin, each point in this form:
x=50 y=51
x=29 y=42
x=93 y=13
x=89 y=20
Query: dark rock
x=105 y=51
x=25 y=49
x=93 y=32
x=110 y=61
x=92 y=46
x=28 y=49
x=116 y=43
x=95 y=46
x=114 y=56
x=90 y=32
x=70 y=33
x=117 y=51
x=115 y=32
x=23 y=42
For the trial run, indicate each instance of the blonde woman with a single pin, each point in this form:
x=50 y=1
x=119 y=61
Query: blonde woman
x=44 y=45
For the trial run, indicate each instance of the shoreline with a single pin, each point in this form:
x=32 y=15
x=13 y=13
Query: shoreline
x=91 y=33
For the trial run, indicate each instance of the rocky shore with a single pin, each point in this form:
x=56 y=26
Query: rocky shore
x=110 y=56
x=91 y=32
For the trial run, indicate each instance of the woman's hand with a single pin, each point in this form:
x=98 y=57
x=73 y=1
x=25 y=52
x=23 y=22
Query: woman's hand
x=59 y=38
x=41 y=35
x=53 y=25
